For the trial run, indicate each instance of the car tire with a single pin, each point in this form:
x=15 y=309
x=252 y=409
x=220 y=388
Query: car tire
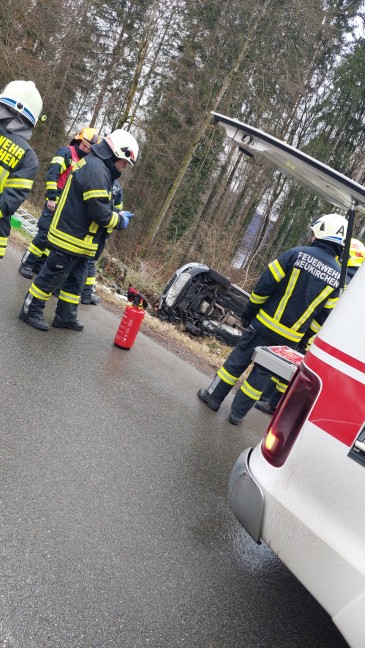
x=192 y=329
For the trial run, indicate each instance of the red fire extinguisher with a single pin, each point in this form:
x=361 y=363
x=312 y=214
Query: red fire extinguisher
x=129 y=325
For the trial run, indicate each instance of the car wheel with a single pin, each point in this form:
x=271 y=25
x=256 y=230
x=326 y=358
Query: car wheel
x=193 y=329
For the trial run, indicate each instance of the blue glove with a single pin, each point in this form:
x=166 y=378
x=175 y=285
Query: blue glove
x=125 y=216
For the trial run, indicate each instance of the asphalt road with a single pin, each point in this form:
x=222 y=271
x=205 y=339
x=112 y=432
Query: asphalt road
x=115 y=529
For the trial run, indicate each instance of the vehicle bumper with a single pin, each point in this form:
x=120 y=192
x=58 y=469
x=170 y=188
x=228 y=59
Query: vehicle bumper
x=246 y=498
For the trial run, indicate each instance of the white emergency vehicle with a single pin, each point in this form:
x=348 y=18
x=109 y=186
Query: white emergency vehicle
x=301 y=489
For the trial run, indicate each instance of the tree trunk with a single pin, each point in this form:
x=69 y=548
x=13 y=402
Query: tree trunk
x=142 y=51
x=206 y=123
x=106 y=80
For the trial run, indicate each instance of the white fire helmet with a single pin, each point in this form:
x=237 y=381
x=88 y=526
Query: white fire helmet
x=24 y=98
x=330 y=227
x=123 y=145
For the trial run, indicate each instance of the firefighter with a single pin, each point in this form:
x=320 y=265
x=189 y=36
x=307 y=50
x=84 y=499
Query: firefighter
x=356 y=258
x=83 y=218
x=20 y=109
x=301 y=284
x=270 y=400
x=88 y=295
x=59 y=169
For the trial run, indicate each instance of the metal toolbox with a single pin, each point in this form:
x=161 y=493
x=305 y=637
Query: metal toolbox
x=281 y=361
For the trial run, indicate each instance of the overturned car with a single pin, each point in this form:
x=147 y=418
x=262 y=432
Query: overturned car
x=205 y=301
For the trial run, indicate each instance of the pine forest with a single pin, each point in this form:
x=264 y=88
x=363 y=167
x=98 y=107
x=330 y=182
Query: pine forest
x=158 y=68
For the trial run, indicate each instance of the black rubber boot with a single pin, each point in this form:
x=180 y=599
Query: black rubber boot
x=241 y=405
x=26 y=271
x=269 y=406
x=94 y=299
x=66 y=316
x=32 y=313
x=265 y=406
x=73 y=326
x=208 y=400
x=215 y=394
x=36 y=321
x=235 y=420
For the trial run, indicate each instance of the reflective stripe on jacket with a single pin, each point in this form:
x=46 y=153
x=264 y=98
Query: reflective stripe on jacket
x=59 y=169
x=301 y=284
x=85 y=209
x=18 y=168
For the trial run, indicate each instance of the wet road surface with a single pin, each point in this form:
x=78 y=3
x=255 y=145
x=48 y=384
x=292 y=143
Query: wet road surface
x=115 y=528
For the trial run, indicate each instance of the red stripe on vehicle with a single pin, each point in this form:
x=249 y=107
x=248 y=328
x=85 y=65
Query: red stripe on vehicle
x=340 y=408
x=340 y=355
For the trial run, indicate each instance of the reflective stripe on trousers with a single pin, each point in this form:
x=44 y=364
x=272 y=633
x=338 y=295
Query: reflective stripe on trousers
x=237 y=362
x=250 y=392
x=60 y=272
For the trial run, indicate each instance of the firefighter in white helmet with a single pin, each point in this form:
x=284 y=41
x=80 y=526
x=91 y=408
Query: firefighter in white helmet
x=58 y=171
x=83 y=218
x=20 y=109
x=356 y=257
x=270 y=398
x=299 y=285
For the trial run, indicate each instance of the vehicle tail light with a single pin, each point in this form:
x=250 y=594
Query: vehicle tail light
x=290 y=416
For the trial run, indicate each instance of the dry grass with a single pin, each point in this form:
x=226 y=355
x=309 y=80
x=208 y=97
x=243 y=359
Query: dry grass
x=204 y=353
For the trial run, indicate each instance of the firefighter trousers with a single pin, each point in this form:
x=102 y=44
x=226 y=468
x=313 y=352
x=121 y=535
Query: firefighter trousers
x=237 y=362
x=4 y=234
x=274 y=390
x=37 y=251
x=90 y=281
x=61 y=272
